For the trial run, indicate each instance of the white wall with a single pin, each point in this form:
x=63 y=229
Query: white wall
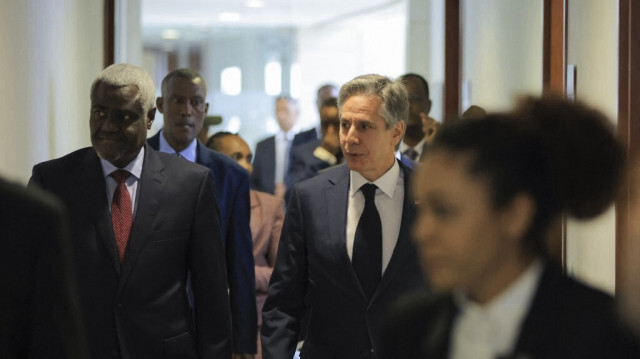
x=425 y=47
x=502 y=57
x=51 y=51
x=501 y=51
x=593 y=48
x=340 y=50
x=128 y=32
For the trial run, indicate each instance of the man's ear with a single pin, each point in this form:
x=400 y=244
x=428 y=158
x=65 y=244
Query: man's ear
x=151 y=115
x=206 y=108
x=428 y=106
x=518 y=215
x=159 y=103
x=398 y=131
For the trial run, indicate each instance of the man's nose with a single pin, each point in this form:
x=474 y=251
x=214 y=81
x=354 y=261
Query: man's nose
x=186 y=108
x=110 y=123
x=352 y=136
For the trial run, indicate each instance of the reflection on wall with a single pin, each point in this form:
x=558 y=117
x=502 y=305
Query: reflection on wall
x=592 y=46
x=52 y=51
x=339 y=50
x=501 y=51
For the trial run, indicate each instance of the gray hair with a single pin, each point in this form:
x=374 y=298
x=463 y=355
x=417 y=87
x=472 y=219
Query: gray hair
x=120 y=75
x=395 y=101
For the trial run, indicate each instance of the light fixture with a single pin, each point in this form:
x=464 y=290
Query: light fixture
x=170 y=34
x=229 y=16
x=254 y=3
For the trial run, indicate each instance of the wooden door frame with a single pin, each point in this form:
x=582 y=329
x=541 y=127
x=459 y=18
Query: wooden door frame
x=628 y=121
x=109 y=35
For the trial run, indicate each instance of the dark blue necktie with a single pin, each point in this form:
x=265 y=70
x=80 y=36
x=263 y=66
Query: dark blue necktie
x=367 y=245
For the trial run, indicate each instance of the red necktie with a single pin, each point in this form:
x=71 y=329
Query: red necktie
x=121 y=212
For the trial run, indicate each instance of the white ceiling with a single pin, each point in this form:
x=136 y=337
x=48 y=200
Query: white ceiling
x=194 y=17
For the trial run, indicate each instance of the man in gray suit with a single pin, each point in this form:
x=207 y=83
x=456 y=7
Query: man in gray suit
x=345 y=250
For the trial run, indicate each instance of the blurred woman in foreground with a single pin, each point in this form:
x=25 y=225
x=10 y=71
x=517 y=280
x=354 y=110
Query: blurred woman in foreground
x=487 y=192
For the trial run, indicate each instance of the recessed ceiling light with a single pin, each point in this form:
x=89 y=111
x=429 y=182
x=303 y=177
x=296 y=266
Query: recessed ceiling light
x=170 y=34
x=254 y=3
x=229 y=16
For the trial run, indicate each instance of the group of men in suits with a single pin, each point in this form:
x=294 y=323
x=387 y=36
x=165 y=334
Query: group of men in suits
x=163 y=254
x=162 y=251
x=274 y=168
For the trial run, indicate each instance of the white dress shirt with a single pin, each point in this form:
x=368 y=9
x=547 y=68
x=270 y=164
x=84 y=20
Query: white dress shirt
x=491 y=330
x=389 y=200
x=283 y=144
x=135 y=168
x=418 y=148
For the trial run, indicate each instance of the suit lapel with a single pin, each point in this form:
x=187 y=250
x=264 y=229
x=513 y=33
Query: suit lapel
x=403 y=246
x=150 y=188
x=535 y=331
x=336 y=197
x=92 y=190
x=201 y=158
x=437 y=342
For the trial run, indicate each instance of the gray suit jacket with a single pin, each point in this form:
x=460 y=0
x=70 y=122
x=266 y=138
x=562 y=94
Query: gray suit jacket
x=313 y=266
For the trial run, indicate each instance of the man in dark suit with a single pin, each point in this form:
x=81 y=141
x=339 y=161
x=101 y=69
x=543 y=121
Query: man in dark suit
x=316 y=155
x=345 y=250
x=142 y=221
x=184 y=108
x=324 y=93
x=420 y=127
x=40 y=314
x=270 y=164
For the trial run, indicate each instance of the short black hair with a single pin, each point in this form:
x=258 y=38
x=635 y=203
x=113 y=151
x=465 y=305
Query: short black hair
x=213 y=142
x=425 y=84
x=184 y=73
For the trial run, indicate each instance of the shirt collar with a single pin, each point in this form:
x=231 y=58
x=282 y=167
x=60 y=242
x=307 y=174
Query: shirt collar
x=281 y=135
x=188 y=153
x=508 y=309
x=418 y=147
x=134 y=167
x=386 y=183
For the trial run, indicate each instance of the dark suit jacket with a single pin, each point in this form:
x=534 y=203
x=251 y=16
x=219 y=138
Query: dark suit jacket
x=231 y=186
x=140 y=309
x=567 y=319
x=39 y=304
x=313 y=263
x=305 y=136
x=264 y=162
x=303 y=164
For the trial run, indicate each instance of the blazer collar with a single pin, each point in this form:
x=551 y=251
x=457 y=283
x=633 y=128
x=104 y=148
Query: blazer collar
x=93 y=191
